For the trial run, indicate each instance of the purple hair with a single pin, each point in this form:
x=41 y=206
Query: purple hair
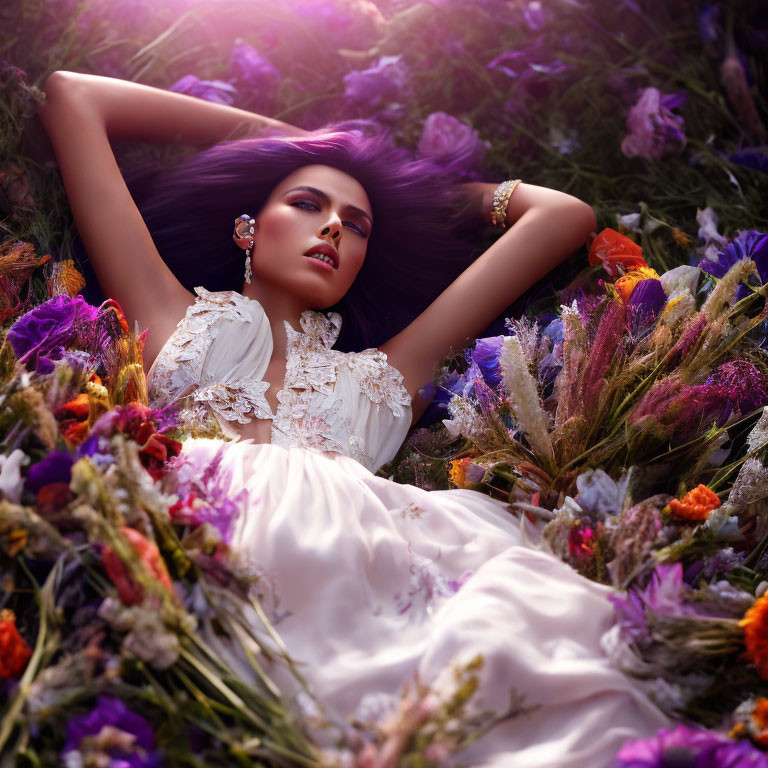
x=420 y=242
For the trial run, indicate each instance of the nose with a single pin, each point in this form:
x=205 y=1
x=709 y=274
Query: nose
x=332 y=229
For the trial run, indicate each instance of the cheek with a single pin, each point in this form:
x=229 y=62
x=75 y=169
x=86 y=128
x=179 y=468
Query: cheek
x=277 y=226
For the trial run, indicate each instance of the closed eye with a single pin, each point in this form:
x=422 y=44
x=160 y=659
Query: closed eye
x=314 y=207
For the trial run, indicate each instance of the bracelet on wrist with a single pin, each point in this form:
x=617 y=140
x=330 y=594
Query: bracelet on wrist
x=501 y=196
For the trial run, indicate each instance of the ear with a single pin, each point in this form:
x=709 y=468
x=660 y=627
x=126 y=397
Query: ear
x=244 y=232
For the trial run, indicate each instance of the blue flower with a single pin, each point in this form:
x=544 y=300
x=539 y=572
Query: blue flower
x=485 y=356
x=751 y=158
x=748 y=245
x=110 y=711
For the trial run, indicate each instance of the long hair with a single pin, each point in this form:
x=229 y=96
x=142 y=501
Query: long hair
x=419 y=243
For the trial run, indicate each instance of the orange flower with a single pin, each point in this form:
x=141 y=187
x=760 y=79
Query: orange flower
x=683 y=239
x=755 y=623
x=617 y=253
x=626 y=283
x=129 y=591
x=695 y=505
x=14 y=651
x=760 y=721
x=458 y=472
x=65 y=278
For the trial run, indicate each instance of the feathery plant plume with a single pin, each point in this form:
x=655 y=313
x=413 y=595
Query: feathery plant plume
x=522 y=390
x=574 y=352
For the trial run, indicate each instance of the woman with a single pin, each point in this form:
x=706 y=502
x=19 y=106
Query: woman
x=370 y=582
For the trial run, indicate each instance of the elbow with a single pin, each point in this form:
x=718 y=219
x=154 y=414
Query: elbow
x=59 y=87
x=582 y=218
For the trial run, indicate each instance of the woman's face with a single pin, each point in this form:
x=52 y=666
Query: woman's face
x=315 y=206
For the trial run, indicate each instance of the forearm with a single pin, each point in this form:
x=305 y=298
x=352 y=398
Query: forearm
x=141 y=112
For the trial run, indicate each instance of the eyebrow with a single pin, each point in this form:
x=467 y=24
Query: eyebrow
x=327 y=199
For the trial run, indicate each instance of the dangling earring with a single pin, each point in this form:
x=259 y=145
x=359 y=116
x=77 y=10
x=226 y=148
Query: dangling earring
x=244 y=230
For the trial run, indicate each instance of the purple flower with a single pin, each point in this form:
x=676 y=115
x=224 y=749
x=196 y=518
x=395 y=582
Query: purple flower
x=370 y=88
x=486 y=356
x=204 y=488
x=652 y=129
x=741 y=385
x=130 y=745
x=448 y=139
x=40 y=336
x=663 y=596
x=645 y=302
x=752 y=158
x=689 y=748
x=531 y=67
x=211 y=90
x=253 y=75
x=56 y=467
x=747 y=245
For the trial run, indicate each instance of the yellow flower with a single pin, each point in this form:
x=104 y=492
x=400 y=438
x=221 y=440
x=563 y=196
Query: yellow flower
x=458 y=472
x=69 y=280
x=626 y=283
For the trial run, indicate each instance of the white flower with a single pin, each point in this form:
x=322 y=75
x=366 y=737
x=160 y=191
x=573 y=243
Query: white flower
x=751 y=484
x=682 y=278
x=758 y=436
x=464 y=418
x=11 y=481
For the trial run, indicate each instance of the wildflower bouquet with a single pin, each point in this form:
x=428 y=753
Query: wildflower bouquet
x=109 y=576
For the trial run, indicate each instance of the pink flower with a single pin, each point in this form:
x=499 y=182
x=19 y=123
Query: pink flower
x=652 y=129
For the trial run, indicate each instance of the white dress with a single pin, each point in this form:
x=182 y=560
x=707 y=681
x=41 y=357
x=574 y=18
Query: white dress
x=373 y=584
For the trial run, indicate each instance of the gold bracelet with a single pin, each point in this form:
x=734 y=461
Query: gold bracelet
x=501 y=196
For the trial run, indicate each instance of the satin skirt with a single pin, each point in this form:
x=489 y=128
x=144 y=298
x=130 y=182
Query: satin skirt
x=373 y=585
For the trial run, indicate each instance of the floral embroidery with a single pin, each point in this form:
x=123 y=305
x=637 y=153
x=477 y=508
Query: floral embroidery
x=426 y=585
x=412 y=511
x=378 y=380
x=237 y=400
x=178 y=367
x=311 y=420
x=311 y=363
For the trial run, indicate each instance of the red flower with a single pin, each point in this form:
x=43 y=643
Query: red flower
x=617 y=253
x=579 y=540
x=129 y=591
x=14 y=651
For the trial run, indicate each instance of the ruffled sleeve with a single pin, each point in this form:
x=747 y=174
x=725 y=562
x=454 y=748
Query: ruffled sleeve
x=217 y=356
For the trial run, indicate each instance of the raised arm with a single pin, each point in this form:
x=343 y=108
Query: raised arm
x=547 y=226
x=81 y=114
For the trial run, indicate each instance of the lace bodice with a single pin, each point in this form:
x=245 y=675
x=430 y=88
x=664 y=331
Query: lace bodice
x=352 y=403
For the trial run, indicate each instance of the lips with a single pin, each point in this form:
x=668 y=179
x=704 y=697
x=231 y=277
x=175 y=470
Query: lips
x=325 y=250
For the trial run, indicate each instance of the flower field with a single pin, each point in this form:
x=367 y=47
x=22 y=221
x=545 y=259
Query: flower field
x=621 y=404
